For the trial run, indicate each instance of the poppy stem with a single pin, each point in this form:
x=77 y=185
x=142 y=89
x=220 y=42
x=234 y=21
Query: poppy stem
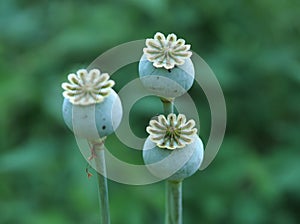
x=173 y=188
x=173 y=202
x=168 y=106
x=99 y=159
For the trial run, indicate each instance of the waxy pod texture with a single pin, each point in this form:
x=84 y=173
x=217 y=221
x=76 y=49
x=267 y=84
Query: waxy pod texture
x=105 y=116
x=152 y=154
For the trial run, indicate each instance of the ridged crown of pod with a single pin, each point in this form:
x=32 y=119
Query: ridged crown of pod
x=87 y=87
x=172 y=132
x=167 y=52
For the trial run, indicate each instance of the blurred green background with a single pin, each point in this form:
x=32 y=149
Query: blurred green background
x=253 y=48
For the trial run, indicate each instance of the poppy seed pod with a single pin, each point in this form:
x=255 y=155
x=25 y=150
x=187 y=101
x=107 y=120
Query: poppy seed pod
x=173 y=150
x=91 y=108
x=165 y=68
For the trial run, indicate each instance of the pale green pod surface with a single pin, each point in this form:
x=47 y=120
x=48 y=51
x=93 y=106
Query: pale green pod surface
x=104 y=117
x=167 y=83
x=176 y=164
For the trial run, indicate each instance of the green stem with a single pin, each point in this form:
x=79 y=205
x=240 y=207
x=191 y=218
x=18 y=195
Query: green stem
x=168 y=105
x=174 y=202
x=173 y=188
x=99 y=159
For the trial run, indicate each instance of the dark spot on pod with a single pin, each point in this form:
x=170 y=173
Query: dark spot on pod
x=169 y=70
x=103 y=127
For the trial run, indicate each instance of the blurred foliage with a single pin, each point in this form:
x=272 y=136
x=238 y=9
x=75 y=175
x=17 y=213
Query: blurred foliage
x=253 y=48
